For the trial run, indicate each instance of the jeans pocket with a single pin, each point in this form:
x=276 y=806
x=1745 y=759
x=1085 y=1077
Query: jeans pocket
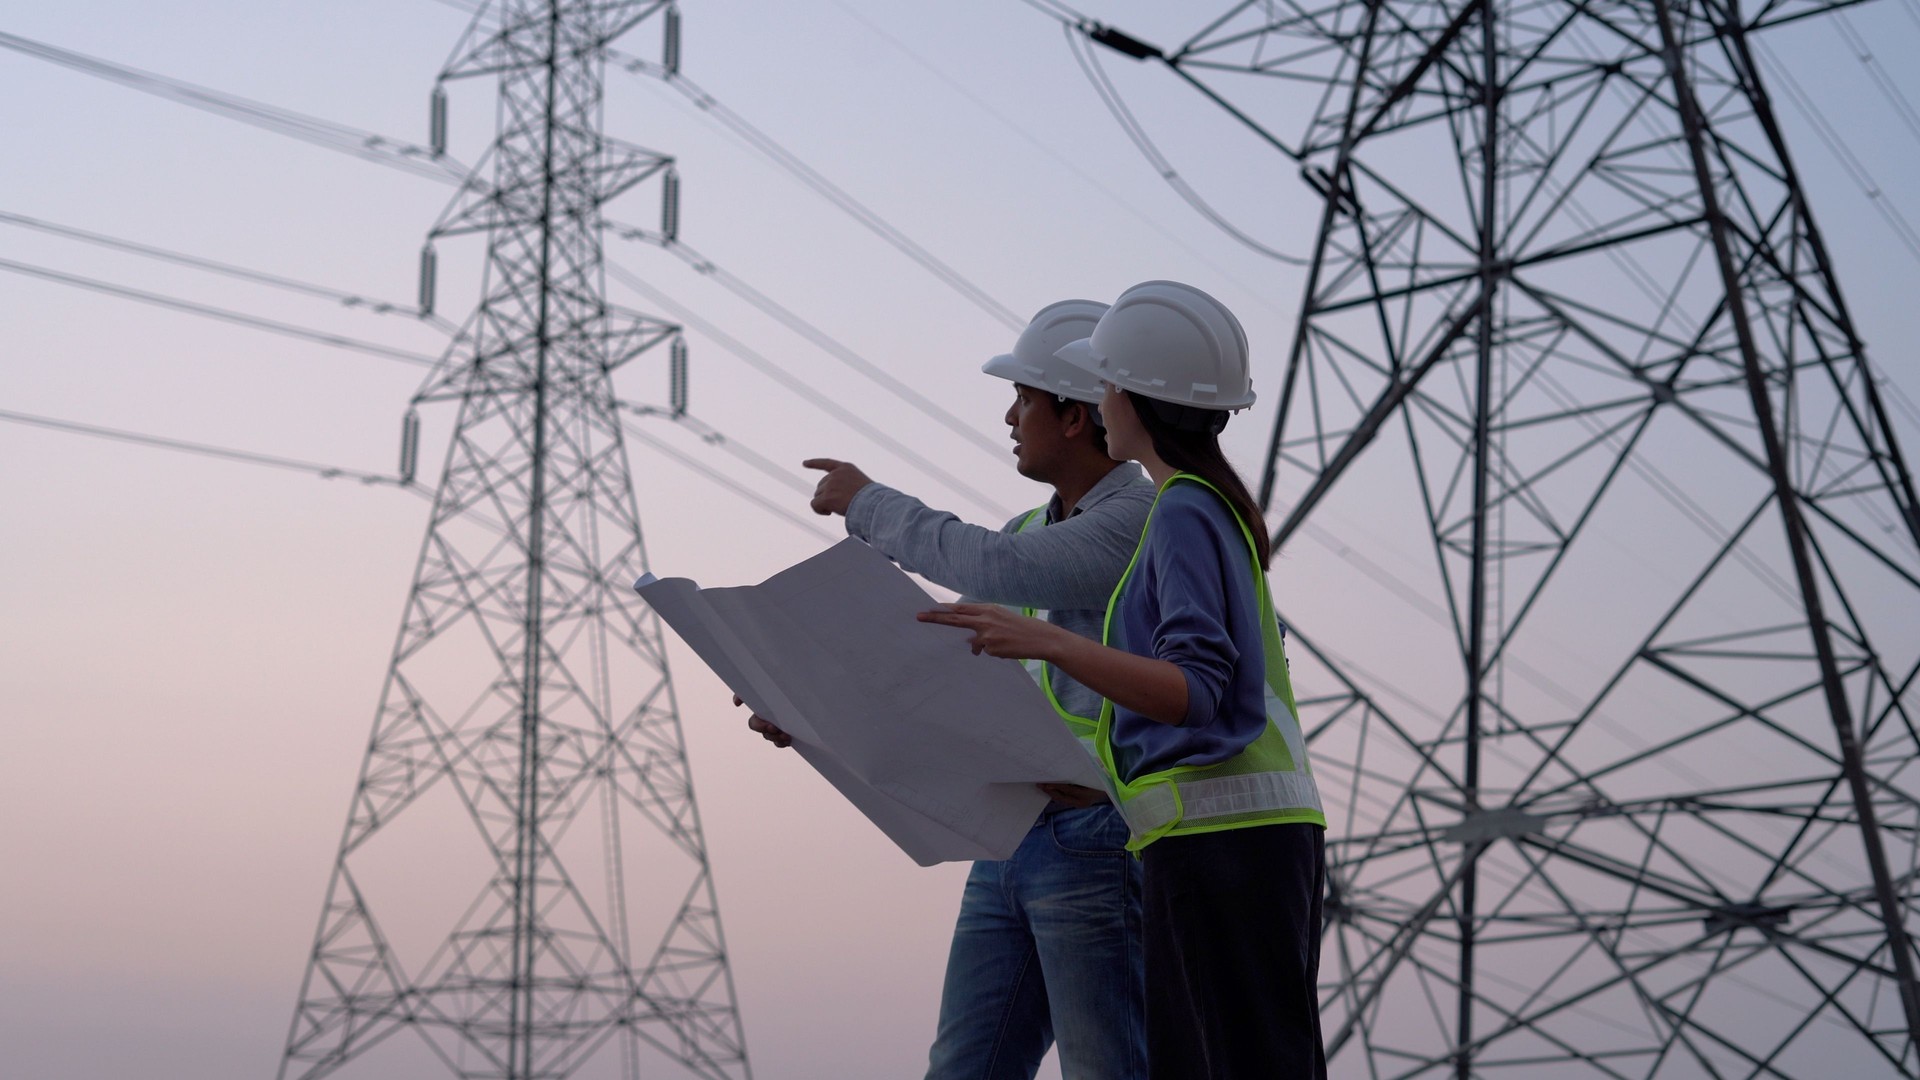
x=1094 y=830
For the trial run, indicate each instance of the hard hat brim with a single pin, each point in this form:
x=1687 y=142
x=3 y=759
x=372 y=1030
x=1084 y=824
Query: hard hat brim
x=1003 y=366
x=1007 y=366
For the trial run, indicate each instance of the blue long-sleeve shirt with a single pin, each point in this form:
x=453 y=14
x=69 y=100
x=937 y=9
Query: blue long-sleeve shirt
x=1192 y=600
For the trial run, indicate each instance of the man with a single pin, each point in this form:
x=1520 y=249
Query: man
x=1048 y=943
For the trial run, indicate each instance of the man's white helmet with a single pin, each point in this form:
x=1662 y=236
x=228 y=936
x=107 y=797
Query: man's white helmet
x=1034 y=360
x=1170 y=342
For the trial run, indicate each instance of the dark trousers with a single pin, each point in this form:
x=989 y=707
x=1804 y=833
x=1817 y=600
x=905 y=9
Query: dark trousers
x=1233 y=954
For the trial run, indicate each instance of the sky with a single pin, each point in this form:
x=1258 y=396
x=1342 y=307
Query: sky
x=191 y=649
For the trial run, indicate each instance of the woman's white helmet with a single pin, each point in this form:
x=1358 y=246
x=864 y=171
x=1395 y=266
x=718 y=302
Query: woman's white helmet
x=1035 y=359
x=1170 y=342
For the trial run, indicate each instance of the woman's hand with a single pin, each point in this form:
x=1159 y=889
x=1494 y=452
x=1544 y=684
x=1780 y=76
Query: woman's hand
x=997 y=631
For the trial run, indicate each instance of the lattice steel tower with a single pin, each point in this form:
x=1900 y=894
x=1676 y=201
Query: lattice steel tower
x=527 y=747
x=1652 y=808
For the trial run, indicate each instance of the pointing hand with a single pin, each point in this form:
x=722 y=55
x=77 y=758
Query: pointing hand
x=836 y=490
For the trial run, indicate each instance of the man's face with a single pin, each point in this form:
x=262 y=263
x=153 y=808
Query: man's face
x=1038 y=441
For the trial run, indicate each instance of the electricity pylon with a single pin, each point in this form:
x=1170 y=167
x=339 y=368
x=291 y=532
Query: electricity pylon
x=1652 y=811
x=527 y=748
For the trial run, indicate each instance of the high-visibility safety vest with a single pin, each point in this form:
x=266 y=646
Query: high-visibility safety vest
x=1267 y=783
x=1081 y=726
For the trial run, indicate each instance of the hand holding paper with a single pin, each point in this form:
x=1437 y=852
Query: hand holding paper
x=998 y=631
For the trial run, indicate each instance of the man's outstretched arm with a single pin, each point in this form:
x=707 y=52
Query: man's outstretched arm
x=1070 y=564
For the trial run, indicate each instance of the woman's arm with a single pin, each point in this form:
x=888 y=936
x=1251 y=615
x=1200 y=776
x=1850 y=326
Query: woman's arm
x=1156 y=689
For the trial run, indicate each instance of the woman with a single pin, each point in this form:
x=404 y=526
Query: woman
x=1199 y=733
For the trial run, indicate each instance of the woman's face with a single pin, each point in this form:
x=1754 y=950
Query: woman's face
x=1127 y=438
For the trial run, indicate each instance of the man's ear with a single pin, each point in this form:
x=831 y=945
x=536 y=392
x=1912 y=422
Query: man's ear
x=1076 y=420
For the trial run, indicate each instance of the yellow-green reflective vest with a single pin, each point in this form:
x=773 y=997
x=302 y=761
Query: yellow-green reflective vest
x=1268 y=783
x=1081 y=726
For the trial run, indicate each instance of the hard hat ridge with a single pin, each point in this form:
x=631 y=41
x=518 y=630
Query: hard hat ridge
x=1171 y=342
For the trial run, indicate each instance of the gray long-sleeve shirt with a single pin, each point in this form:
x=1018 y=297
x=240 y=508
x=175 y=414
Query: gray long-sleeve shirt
x=1068 y=568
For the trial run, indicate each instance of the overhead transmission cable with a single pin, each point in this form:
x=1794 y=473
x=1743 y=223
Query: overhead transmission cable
x=367 y=145
x=326 y=472
x=1039 y=144
x=385 y=150
x=712 y=436
x=1110 y=97
x=818 y=337
x=321 y=337
x=335 y=472
x=1902 y=401
x=726 y=482
x=799 y=387
x=1878 y=72
x=340 y=296
x=341 y=137
x=360 y=143
x=1824 y=130
x=825 y=188
x=1057 y=10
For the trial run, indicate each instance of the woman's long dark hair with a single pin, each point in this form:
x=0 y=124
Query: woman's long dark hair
x=1198 y=452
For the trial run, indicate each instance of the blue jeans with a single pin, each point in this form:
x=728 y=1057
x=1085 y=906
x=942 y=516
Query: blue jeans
x=1048 y=946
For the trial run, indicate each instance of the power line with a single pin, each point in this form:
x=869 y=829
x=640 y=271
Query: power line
x=825 y=188
x=363 y=144
x=340 y=296
x=325 y=472
x=712 y=436
x=1056 y=10
x=1110 y=97
x=1825 y=131
x=1881 y=79
x=424 y=162
x=223 y=314
x=819 y=338
x=1901 y=401
x=1040 y=145
x=727 y=483
x=797 y=386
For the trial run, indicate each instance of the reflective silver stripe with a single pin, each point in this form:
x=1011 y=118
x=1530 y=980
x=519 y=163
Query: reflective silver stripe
x=1149 y=810
x=1220 y=796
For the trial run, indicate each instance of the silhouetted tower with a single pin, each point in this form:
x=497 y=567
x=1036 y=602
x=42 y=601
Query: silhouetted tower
x=527 y=748
x=1570 y=324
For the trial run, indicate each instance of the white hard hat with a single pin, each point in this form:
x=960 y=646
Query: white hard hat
x=1170 y=342
x=1034 y=361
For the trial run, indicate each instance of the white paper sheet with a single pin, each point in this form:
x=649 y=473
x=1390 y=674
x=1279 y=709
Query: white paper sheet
x=939 y=748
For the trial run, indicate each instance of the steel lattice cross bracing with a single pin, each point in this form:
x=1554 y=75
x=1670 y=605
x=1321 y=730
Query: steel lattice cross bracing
x=528 y=746
x=1569 y=306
